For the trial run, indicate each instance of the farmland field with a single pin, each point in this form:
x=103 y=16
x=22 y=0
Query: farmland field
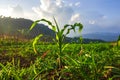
x=59 y=40
x=94 y=61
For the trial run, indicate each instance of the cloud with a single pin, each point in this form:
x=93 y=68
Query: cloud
x=57 y=8
x=66 y=12
x=17 y=11
x=91 y=21
x=99 y=22
x=95 y=18
x=75 y=17
x=6 y=11
x=13 y=11
x=77 y=4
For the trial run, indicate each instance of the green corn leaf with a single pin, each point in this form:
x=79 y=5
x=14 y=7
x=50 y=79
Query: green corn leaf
x=68 y=31
x=35 y=41
x=79 y=25
x=33 y=25
x=59 y=34
x=56 y=24
x=62 y=31
x=34 y=69
x=53 y=28
x=72 y=60
x=57 y=37
x=74 y=26
x=64 y=46
x=46 y=21
x=67 y=25
x=49 y=23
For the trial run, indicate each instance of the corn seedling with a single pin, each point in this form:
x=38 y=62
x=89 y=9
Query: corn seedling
x=60 y=33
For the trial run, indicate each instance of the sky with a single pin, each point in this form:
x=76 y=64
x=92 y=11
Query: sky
x=95 y=15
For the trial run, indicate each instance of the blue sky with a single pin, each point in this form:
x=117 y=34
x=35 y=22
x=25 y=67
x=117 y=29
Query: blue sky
x=95 y=15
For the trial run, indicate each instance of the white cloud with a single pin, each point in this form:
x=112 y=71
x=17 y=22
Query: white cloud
x=59 y=3
x=13 y=11
x=77 y=4
x=64 y=13
x=75 y=17
x=30 y=15
x=91 y=21
x=5 y=12
x=17 y=11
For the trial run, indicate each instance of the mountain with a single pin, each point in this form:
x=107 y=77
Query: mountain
x=18 y=28
x=102 y=36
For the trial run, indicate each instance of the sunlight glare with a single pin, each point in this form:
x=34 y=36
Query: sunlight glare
x=5 y=12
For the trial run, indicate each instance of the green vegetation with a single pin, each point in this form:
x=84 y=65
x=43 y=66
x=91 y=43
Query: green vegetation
x=118 y=41
x=97 y=61
x=58 y=61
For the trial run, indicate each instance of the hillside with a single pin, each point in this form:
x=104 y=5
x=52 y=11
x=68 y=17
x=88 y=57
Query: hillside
x=102 y=36
x=18 y=28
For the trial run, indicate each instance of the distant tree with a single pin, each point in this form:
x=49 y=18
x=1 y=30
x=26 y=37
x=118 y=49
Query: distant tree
x=118 y=40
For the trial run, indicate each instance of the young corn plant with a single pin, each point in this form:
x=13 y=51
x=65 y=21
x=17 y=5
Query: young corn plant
x=60 y=34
